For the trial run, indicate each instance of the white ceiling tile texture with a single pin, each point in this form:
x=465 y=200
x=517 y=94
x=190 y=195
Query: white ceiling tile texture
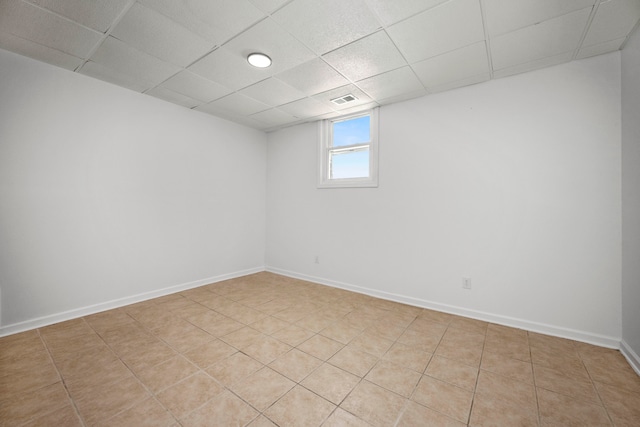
x=151 y=32
x=274 y=117
x=313 y=77
x=228 y=69
x=548 y=38
x=33 y=23
x=215 y=20
x=273 y=92
x=391 y=84
x=239 y=104
x=193 y=52
x=195 y=86
x=504 y=16
x=548 y=61
x=101 y=72
x=269 y=38
x=269 y=6
x=390 y=12
x=127 y=60
x=614 y=19
x=600 y=48
x=453 y=66
x=96 y=14
x=449 y=26
x=328 y=24
x=174 y=97
x=306 y=107
x=369 y=56
x=37 y=51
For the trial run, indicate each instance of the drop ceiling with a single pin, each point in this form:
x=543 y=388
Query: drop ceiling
x=193 y=52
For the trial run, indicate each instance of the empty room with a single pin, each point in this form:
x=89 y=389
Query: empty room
x=319 y=213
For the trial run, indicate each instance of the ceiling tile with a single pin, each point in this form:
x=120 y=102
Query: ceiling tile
x=151 y=32
x=453 y=66
x=217 y=111
x=599 y=49
x=391 y=12
x=38 y=51
x=326 y=97
x=195 y=86
x=461 y=83
x=534 y=65
x=249 y=122
x=126 y=60
x=549 y=38
x=229 y=69
x=449 y=26
x=614 y=19
x=391 y=84
x=239 y=104
x=503 y=16
x=357 y=108
x=101 y=72
x=313 y=77
x=269 y=6
x=366 y=57
x=306 y=107
x=273 y=92
x=269 y=38
x=404 y=97
x=150 y=42
x=221 y=112
x=215 y=20
x=174 y=97
x=328 y=24
x=30 y=22
x=274 y=117
x=96 y=14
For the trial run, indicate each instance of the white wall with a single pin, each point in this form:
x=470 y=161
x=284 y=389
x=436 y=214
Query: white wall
x=107 y=194
x=514 y=183
x=631 y=199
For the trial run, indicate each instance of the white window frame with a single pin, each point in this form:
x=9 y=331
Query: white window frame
x=325 y=146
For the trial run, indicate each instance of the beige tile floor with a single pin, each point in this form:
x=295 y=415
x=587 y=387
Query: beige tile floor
x=266 y=350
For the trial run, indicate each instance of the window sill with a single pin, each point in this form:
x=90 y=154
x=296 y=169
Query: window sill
x=349 y=183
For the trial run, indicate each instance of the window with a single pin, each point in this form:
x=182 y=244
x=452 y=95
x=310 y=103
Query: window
x=348 y=148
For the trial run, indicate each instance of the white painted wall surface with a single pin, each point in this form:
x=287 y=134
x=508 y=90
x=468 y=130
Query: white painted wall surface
x=631 y=198
x=107 y=194
x=514 y=183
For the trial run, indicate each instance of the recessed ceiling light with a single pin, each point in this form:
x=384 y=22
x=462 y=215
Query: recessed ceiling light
x=259 y=60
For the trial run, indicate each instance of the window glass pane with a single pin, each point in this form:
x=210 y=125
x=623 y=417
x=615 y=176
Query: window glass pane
x=350 y=132
x=349 y=164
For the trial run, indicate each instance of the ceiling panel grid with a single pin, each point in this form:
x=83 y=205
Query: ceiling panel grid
x=193 y=52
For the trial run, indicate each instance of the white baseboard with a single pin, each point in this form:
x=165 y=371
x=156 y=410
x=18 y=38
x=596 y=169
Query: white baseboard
x=596 y=339
x=120 y=302
x=631 y=356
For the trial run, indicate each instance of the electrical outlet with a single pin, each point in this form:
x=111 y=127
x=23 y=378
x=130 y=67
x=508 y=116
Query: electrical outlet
x=317 y=259
x=466 y=283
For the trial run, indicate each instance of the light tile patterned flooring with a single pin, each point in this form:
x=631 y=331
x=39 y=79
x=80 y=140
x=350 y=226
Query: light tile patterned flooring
x=266 y=350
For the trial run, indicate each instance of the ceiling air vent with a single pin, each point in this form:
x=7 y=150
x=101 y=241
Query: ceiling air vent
x=344 y=99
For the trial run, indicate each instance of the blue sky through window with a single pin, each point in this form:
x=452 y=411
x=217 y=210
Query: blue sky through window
x=351 y=164
x=354 y=131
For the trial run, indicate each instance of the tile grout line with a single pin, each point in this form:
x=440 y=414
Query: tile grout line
x=475 y=387
x=535 y=387
x=133 y=373
x=365 y=309
x=179 y=353
x=62 y=380
x=593 y=384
